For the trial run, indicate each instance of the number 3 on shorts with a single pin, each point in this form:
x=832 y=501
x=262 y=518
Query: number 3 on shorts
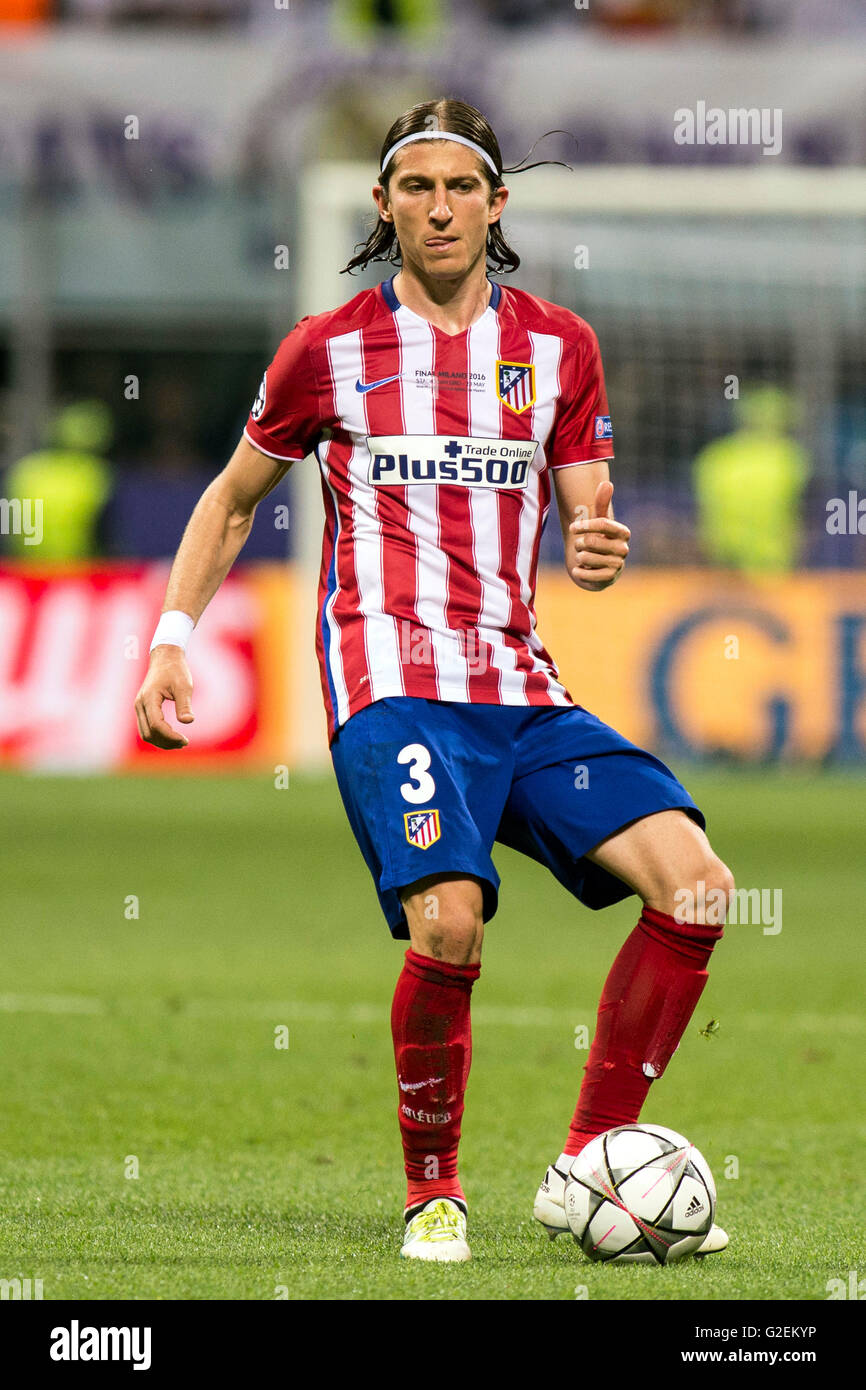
x=422 y=787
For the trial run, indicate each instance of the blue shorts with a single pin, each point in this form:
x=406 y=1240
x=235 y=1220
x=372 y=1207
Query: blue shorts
x=428 y=786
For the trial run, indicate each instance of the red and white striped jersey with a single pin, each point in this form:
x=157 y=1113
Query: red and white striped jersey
x=434 y=451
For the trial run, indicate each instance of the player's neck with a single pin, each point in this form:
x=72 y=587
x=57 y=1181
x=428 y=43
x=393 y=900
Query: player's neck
x=452 y=305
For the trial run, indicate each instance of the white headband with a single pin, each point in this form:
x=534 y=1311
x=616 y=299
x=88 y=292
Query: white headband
x=439 y=135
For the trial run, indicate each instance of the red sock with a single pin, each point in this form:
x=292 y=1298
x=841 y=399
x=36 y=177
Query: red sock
x=648 y=998
x=433 y=1049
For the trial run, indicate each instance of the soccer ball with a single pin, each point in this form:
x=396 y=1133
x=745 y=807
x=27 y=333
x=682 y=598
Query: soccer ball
x=640 y=1194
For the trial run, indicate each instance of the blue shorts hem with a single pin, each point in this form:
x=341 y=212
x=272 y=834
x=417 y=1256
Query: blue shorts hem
x=392 y=907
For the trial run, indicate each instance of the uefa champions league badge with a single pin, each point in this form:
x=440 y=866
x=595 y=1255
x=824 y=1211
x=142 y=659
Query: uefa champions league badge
x=515 y=385
x=259 y=403
x=422 y=828
x=603 y=428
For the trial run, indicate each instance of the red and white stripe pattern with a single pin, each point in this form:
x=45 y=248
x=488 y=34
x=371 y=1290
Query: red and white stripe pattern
x=427 y=588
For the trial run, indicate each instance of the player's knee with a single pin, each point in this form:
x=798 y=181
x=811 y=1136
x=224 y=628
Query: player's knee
x=459 y=943
x=704 y=900
x=723 y=878
x=456 y=935
x=447 y=923
x=698 y=890
x=715 y=876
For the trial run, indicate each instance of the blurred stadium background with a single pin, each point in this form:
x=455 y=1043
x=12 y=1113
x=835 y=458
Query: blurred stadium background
x=180 y=180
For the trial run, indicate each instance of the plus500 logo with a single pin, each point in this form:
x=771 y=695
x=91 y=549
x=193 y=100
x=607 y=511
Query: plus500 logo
x=495 y=463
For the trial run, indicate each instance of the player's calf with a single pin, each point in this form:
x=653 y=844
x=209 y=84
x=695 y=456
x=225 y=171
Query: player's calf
x=431 y=1031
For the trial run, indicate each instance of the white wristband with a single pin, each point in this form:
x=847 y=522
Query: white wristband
x=174 y=629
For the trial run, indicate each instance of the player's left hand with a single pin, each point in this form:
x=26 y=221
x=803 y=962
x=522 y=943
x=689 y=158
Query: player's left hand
x=599 y=544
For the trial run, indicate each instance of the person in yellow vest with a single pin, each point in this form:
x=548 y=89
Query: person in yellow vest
x=760 y=462
x=411 y=19
x=69 y=481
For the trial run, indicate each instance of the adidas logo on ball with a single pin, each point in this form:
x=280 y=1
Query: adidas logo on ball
x=639 y=1194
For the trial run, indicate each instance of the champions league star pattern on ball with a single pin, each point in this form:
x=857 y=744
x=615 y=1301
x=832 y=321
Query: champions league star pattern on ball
x=434 y=451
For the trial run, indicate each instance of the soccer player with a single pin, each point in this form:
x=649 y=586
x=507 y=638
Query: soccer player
x=442 y=408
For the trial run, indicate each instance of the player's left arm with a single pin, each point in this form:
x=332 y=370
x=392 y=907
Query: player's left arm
x=596 y=545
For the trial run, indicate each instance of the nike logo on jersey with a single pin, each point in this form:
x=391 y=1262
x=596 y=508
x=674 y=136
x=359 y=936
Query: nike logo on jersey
x=371 y=386
x=416 y=1085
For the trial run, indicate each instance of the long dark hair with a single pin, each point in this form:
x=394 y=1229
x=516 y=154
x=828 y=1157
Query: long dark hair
x=447 y=114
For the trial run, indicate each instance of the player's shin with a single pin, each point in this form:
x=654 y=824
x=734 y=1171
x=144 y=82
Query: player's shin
x=648 y=998
x=430 y=1025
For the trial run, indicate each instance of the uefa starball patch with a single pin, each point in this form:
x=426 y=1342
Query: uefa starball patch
x=603 y=427
x=259 y=403
x=422 y=828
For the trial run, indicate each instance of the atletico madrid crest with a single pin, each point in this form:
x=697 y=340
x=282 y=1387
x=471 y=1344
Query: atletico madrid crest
x=422 y=828
x=515 y=385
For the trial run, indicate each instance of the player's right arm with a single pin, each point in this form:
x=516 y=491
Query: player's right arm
x=215 y=533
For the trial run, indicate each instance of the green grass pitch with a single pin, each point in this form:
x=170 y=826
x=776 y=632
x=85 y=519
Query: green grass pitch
x=155 y=1143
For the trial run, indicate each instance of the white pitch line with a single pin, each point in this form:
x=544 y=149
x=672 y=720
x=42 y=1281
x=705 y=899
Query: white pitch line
x=326 y=1011
x=309 y=1011
x=50 y=1004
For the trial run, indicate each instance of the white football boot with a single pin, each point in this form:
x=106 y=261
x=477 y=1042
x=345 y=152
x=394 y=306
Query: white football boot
x=549 y=1210
x=438 y=1232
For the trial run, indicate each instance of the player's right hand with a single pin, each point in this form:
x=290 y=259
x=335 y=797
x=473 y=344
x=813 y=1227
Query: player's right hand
x=168 y=678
